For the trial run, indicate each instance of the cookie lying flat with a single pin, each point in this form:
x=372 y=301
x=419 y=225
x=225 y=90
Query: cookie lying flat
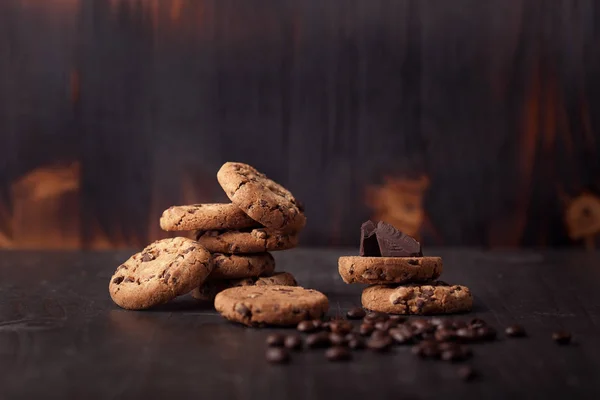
x=162 y=271
x=271 y=305
x=387 y=270
x=206 y=217
x=433 y=298
x=231 y=266
x=249 y=241
x=209 y=290
x=261 y=198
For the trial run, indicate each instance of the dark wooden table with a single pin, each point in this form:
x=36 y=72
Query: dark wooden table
x=62 y=337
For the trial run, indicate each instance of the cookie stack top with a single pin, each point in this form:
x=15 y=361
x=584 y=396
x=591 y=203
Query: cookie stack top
x=403 y=280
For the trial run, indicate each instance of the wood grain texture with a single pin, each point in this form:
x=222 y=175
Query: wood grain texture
x=62 y=337
x=494 y=101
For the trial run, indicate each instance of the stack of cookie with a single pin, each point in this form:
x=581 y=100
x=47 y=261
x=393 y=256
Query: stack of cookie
x=262 y=217
x=402 y=280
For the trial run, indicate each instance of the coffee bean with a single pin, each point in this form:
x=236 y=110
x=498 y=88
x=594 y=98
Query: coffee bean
x=379 y=334
x=384 y=325
x=338 y=353
x=356 y=343
x=445 y=335
x=277 y=355
x=379 y=344
x=561 y=337
x=337 y=339
x=515 y=331
x=340 y=326
x=486 y=333
x=477 y=323
x=318 y=324
x=318 y=340
x=307 y=326
x=458 y=324
x=421 y=326
x=447 y=324
x=366 y=329
x=435 y=321
x=275 y=340
x=398 y=319
x=466 y=335
x=466 y=373
x=427 y=349
x=455 y=354
x=351 y=335
x=401 y=335
x=356 y=313
x=293 y=342
x=375 y=316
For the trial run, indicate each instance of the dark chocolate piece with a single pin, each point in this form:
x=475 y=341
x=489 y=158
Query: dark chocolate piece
x=393 y=243
x=368 y=240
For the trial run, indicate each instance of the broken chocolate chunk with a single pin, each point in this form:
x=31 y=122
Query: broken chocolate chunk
x=368 y=240
x=393 y=243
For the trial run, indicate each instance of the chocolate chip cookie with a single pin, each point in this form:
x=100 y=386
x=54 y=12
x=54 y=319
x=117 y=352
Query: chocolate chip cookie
x=162 y=271
x=231 y=266
x=432 y=298
x=246 y=241
x=386 y=270
x=271 y=305
x=209 y=290
x=206 y=217
x=261 y=198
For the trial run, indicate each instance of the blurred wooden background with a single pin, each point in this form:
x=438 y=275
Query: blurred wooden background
x=473 y=122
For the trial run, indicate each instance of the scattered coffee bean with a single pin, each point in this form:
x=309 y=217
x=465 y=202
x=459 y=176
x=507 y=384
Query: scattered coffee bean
x=455 y=354
x=318 y=324
x=458 y=324
x=515 y=331
x=277 y=355
x=366 y=329
x=337 y=339
x=436 y=321
x=293 y=342
x=356 y=343
x=466 y=373
x=561 y=337
x=446 y=324
x=421 y=326
x=379 y=344
x=340 y=326
x=375 y=316
x=466 y=335
x=379 y=334
x=318 y=340
x=275 y=340
x=384 y=325
x=445 y=335
x=338 y=353
x=307 y=326
x=356 y=313
x=486 y=333
x=426 y=349
x=398 y=319
x=401 y=335
x=477 y=323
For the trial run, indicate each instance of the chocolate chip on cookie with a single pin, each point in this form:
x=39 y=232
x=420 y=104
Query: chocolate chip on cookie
x=206 y=217
x=162 y=271
x=231 y=266
x=271 y=305
x=261 y=198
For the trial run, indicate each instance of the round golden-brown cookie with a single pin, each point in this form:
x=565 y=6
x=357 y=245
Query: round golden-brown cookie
x=206 y=217
x=247 y=241
x=271 y=305
x=261 y=198
x=433 y=298
x=209 y=290
x=387 y=270
x=162 y=271
x=231 y=266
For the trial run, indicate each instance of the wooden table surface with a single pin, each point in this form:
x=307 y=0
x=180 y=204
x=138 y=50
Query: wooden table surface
x=62 y=337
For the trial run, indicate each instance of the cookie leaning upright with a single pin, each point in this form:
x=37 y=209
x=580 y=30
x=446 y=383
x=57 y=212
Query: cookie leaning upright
x=162 y=271
x=264 y=200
